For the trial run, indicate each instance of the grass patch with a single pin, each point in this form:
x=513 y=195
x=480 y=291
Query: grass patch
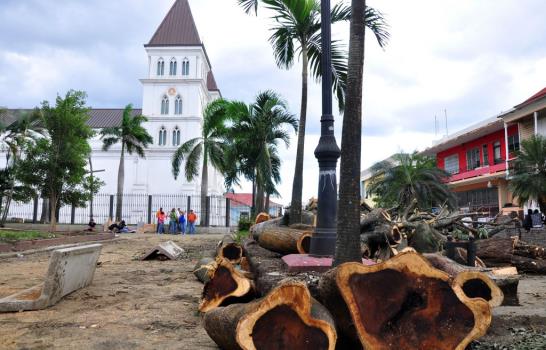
x=14 y=236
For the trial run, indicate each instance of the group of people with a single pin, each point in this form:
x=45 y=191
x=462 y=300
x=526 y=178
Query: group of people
x=178 y=221
x=533 y=219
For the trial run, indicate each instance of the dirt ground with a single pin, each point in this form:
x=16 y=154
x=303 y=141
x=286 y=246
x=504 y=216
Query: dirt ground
x=153 y=305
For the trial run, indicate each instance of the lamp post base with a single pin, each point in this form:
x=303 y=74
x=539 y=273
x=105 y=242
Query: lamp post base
x=323 y=243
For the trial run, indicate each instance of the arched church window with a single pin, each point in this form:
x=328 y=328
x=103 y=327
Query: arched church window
x=172 y=67
x=160 y=66
x=165 y=105
x=178 y=105
x=162 y=136
x=185 y=67
x=176 y=136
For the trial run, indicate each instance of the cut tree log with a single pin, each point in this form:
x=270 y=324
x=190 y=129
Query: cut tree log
x=262 y=217
x=226 y=285
x=285 y=240
x=496 y=250
x=287 y=318
x=256 y=230
x=507 y=279
x=204 y=269
x=404 y=303
x=230 y=250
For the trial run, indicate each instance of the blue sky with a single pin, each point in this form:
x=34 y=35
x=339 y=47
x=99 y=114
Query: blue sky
x=471 y=58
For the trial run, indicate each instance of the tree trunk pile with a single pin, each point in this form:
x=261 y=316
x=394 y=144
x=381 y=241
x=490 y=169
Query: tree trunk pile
x=525 y=257
x=404 y=303
x=401 y=303
x=287 y=318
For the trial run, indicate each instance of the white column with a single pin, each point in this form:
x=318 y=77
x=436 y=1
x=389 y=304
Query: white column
x=535 y=115
x=506 y=147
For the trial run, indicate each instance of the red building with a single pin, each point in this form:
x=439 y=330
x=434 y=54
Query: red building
x=477 y=160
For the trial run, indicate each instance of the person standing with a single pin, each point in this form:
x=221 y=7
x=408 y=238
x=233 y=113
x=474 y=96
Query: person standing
x=157 y=214
x=528 y=221
x=161 y=222
x=182 y=221
x=192 y=218
x=173 y=221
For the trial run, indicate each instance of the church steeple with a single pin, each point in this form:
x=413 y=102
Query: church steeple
x=177 y=29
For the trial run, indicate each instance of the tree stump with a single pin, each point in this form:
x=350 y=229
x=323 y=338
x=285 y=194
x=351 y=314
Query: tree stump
x=287 y=318
x=404 y=303
x=229 y=250
x=285 y=240
x=226 y=285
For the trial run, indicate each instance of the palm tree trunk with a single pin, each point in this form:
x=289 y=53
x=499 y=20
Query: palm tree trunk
x=92 y=185
x=121 y=179
x=260 y=200
x=348 y=214
x=8 y=198
x=253 y=204
x=267 y=202
x=204 y=188
x=297 y=185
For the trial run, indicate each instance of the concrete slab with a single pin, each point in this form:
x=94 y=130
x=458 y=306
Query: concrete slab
x=305 y=263
x=164 y=251
x=69 y=269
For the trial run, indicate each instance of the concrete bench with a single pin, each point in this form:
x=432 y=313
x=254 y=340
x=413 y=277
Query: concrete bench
x=69 y=269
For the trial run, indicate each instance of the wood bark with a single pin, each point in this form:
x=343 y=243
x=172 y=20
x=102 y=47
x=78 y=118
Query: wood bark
x=226 y=285
x=404 y=303
x=287 y=318
x=256 y=230
x=204 y=269
x=297 y=184
x=204 y=187
x=121 y=179
x=262 y=217
x=228 y=249
x=285 y=240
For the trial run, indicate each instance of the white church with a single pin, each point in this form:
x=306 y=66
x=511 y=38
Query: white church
x=177 y=88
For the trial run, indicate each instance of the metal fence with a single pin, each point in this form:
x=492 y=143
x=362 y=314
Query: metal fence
x=137 y=208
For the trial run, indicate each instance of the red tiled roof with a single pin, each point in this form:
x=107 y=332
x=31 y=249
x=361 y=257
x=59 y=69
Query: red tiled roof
x=246 y=199
x=178 y=28
x=538 y=95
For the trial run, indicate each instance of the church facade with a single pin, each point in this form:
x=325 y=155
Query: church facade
x=178 y=86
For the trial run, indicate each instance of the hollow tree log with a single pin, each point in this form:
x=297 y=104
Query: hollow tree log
x=204 y=268
x=507 y=283
x=262 y=217
x=404 y=303
x=287 y=318
x=285 y=240
x=226 y=285
x=230 y=250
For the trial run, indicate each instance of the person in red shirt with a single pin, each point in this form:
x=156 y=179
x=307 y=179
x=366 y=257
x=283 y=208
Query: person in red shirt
x=161 y=221
x=192 y=218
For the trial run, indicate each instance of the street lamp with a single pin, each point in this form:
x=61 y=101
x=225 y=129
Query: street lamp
x=327 y=152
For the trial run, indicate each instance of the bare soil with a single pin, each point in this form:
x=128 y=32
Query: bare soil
x=136 y=304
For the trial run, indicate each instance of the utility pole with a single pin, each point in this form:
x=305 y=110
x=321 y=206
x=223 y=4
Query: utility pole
x=323 y=242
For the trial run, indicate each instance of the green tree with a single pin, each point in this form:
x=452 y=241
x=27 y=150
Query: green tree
x=25 y=130
x=56 y=166
x=258 y=129
x=133 y=138
x=209 y=147
x=528 y=180
x=411 y=177
x=297 y=32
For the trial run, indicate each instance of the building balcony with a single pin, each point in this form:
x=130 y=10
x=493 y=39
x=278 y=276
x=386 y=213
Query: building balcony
x=465 y=173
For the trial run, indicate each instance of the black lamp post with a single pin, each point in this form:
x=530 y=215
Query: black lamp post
x=327 y=152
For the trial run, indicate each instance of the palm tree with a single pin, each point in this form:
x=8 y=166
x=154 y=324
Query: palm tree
x=133 y=138
x=258 y=128
x=25 y=130
x=297 y=32
x=528 y=180
x=411 y=177
x=348 y=215
x=210 y=147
